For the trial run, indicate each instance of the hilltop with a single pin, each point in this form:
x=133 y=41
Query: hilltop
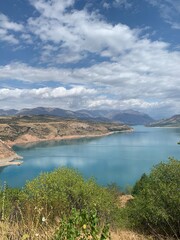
x=28 y=129
x=173 y=121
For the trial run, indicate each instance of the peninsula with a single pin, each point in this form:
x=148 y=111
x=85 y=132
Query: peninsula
x=28 y=129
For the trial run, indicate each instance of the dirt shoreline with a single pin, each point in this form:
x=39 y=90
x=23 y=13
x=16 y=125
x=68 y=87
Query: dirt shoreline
x=11 y=161
x=7 y=161
x=69 y=137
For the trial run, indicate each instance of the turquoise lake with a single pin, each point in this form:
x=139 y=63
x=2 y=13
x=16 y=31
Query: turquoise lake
x=119 y=158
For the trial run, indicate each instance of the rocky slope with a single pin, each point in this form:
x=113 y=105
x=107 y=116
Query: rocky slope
x=7 y=155
x=26 y=129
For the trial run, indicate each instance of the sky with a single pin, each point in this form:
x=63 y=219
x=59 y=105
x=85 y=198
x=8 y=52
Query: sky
x=93 y=54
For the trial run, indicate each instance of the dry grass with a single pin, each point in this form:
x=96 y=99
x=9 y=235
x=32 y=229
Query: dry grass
x=16 y=231
x=128 y=235
x=36 y=230
x=124 y=199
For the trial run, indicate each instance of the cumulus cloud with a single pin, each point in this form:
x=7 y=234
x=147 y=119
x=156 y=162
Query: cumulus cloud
x=78 y=32
x=75 y=97
x=43 y=93
x=148 y=70
x=6 y=93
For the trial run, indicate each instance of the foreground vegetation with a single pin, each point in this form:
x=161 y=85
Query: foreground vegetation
x=156 y=206
x=62 y=205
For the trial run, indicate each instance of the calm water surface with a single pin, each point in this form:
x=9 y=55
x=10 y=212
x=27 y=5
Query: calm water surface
x=121 y=158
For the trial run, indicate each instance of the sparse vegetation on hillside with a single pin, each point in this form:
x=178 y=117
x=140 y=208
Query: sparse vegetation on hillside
x=33 y=128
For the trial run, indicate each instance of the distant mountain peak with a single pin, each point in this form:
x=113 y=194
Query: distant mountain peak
x=128 y=116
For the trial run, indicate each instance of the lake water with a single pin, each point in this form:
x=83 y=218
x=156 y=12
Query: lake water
x=119 y=158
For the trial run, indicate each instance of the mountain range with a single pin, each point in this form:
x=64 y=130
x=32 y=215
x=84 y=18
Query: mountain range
x=129 y=117
x=173 y=121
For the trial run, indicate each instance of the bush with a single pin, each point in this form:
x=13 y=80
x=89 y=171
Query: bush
x=8 y=202
x=156 y=206
x=82 y=225
x=81 y=208
x=139 y=185
x=57 y=193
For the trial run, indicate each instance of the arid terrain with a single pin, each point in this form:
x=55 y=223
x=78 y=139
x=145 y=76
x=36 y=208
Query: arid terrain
x=28 y=129
x=7 y=155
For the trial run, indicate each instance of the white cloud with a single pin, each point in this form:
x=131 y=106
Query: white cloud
x=74 y=97
x=60 y=92
x=77 y=97
x=5 y=36
x=106 y=5
x=26 y=38
x=126 y=4
x=148 y=70
x=8 y=28
x=122 y=3
x=127 y=83
x=169 y=10
x=7 y=24
x=123 y=104
x=42 y=93
x=52 y=8
x=103 y=103
x=8 y=93
x=78 y=31
x=23 y=72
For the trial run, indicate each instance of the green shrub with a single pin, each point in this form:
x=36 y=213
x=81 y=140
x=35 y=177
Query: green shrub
x=156 y=206
x=139 y=185
x=8 y=202
x=57 y=193
x=82 y=225
x=114 y=189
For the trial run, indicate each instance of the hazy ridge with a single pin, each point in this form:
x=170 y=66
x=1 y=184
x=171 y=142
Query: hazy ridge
x=129 y=117
x=173 y=121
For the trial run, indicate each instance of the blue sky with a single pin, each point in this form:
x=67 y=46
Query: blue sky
x=74 y=54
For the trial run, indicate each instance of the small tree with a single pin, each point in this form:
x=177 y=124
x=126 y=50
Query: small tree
x=139 y=185
x=156 y=206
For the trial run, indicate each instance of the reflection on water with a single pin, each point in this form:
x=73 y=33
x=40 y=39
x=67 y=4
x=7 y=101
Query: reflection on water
x=121 y=158
x=54 y=143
